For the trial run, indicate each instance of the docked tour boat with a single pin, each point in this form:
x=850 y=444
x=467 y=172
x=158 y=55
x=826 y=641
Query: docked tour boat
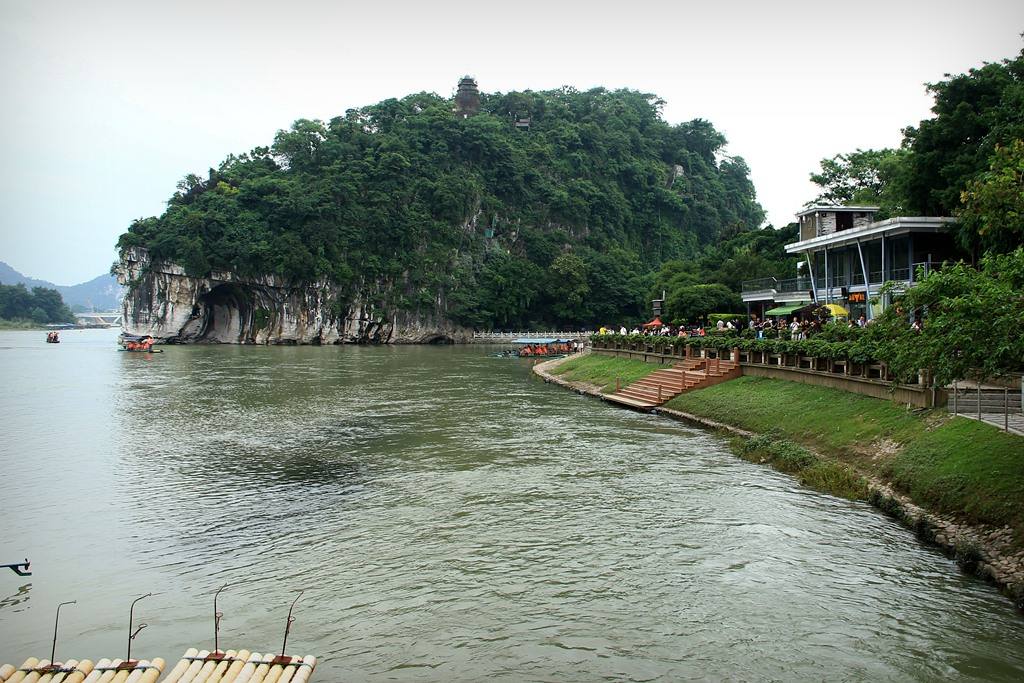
x=542 y=348
x=137 y=343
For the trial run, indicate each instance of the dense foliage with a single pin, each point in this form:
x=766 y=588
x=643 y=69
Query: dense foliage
x=40 y=305
x=970 y=325
x=971 y=321
x=861 y=346
x=959 y=162
x=993 y=203
x=496 y=225
x=712 y=282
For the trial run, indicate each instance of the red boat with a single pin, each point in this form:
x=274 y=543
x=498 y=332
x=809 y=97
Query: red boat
x=137 y=343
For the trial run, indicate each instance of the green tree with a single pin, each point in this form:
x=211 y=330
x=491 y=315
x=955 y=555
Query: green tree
x=692 y=302
x=993 y=204
x=974 y=112
x=568 y=287
x=872 y=177
x=41 y=305
x=971 y=321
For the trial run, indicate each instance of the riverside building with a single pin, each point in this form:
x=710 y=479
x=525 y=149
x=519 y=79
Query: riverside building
x=846 y=258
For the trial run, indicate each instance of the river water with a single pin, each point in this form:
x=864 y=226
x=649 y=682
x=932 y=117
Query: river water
x=449 y=517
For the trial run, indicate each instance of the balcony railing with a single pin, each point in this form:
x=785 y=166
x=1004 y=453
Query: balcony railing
x=853 y=279
x=761 y=284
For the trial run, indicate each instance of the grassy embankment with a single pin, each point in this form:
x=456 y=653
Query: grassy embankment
x=603 y=371
x=953 y=466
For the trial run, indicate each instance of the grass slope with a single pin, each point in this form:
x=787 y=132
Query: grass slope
x=603 y=371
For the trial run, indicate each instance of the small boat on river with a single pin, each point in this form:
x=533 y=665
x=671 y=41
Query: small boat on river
x=542 y=348
x=137 y=343
x=53 y=338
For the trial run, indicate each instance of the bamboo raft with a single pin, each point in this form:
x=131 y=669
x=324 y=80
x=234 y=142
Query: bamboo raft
x=74 y=671
x=196 y=666
x=242 y=666
x=35 y=670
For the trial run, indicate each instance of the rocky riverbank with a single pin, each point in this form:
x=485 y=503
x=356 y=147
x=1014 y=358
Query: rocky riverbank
x=991 y=553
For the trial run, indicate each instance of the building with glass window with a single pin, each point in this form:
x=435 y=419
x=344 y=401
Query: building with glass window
x=847 y=256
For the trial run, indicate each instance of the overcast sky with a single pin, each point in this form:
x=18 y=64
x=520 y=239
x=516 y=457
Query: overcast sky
x=106 y=105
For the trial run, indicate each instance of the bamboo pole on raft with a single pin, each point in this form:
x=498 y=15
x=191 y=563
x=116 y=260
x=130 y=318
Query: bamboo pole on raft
x=181 y=666
x=82 y=669
x=245 y=672
x=256 y=675
x=31 y=676
x=229 y=674
x=105 y=676
x=302 y=673
x=76 y=675
x=150 y=675
x=146 y=671
x=289 y=671
x=95 y=674
x=193 y=667
x=275 y=672
x=212 y=666
x=19 y=673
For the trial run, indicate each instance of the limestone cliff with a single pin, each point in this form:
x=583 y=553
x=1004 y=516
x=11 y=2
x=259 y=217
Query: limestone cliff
x=163 y=301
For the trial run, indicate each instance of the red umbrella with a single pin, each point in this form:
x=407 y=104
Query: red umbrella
x=654 y=323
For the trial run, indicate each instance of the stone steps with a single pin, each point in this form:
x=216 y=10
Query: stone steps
x=667 y=383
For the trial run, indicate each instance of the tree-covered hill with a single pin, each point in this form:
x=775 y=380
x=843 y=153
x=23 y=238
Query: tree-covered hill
x=561 y=223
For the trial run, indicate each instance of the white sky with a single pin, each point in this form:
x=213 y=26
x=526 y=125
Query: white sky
x=108 y=104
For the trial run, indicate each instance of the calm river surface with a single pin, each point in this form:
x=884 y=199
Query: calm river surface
x=449 y=517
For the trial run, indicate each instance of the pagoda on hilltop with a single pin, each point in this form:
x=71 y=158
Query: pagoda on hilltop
x=467 y=98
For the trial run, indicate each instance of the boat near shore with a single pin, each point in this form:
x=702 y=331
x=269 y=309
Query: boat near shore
x=542 y=348
x=137 y=343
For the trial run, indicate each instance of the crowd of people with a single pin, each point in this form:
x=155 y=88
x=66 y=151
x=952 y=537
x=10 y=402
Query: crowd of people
x=654 y=331
x=798 y=328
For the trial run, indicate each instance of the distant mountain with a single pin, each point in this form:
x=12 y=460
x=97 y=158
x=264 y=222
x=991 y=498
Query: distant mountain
x=102 y=293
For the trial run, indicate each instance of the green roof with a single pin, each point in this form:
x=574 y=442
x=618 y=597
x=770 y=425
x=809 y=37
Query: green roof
x=785 y=310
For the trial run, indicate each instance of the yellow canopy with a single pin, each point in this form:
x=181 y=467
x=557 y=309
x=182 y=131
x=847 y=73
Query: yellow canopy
x=837 y=310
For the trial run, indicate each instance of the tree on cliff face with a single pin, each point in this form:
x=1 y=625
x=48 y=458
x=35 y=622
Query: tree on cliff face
x=492 y=219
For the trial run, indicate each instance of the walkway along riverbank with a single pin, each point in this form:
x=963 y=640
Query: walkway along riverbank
x=985 y=551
